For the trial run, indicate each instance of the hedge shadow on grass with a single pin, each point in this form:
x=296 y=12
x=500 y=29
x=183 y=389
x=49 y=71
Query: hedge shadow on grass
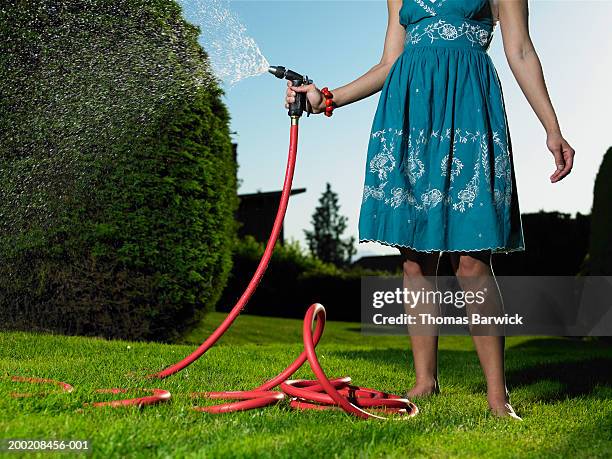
x=573 y=378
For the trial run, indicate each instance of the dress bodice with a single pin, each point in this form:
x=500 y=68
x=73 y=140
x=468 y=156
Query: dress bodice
x=448 y=23
x=413 y=11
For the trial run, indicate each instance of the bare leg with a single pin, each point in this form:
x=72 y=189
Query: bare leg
x=474 y=273
x=416 y=265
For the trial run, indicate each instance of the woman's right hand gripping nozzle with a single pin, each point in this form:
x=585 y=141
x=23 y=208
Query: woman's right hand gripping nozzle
x=313 y=95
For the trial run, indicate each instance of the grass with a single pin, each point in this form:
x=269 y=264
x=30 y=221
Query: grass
x=561 y=387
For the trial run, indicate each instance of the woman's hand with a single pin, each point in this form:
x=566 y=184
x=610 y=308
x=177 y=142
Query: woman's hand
x=313 y=94
x=563 y=153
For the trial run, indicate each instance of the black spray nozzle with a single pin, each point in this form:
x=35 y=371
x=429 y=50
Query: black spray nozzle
x=281 y=72
x=296 y=108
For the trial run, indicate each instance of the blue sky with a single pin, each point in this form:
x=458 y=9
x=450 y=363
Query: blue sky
x=574 y=44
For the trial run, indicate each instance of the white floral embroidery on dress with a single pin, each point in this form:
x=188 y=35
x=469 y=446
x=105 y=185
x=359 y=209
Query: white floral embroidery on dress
x=442 y=29
x=432 y=198
x=468 y=194
x=399 y=196
x=384 y=162
x=503 y=171
x=412 y=166
x=428 y=8
x=484 y=155
x=376 y=192
x=455 y=167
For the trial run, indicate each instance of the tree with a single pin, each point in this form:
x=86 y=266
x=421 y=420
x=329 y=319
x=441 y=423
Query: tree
x=600 y=250
x=324 y=241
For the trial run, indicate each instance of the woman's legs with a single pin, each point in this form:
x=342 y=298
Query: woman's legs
x=475 y=274
x=416 y=266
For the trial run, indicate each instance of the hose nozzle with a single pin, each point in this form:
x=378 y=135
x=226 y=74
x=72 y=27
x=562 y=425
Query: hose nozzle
x=285 y=74
x=296 y=108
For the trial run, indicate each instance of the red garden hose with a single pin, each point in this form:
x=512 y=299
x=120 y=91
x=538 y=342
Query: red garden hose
x=318 y=394
x=65 y=387
x=261 y=268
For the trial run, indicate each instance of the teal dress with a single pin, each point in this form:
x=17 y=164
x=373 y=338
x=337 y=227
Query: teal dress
x=439 y=170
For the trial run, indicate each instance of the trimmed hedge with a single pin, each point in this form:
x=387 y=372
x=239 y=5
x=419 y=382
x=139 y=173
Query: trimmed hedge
x=116 y=167
x=599 y=261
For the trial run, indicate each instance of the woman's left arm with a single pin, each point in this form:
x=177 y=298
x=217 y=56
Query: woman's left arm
x=527 y=70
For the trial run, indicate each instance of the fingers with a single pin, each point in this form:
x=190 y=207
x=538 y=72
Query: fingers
x=559 y=162
x=290 y=97
x=564 y=160
x=568 y=157
x=292 y=90
x=302 y=88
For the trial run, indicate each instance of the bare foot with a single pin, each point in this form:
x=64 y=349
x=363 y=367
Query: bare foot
x=505 y=410
x=500 y=406
x=424 y=390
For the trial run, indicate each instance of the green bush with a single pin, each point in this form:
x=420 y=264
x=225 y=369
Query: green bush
x=293 y=281
x=599 y=259
x=116 y=167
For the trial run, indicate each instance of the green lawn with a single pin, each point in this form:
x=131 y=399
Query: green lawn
x=562 y=388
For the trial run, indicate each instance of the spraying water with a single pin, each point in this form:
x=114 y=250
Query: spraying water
x=83 y=81
x=233 y=54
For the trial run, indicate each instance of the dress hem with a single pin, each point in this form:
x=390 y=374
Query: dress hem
x=498 y=249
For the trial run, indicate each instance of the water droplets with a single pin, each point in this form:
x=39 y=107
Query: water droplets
x=82 y=82
x=234 y=55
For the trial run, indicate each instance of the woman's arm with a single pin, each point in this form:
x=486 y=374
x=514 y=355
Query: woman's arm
x=371 y=81
x=527 y=70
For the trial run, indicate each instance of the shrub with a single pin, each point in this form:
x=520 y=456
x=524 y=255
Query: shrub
x=293 y=281
x=599 y=261
x=117 y=172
